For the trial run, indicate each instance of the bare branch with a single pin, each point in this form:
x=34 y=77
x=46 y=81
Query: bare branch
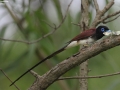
x=89 y=77
x=110 y=15
x=107 y=7
x=113 y=14
x=8 y=78
x=96 y=6
x=48 y=24
x=84 y=26
x=77 y=24
x=65 y=15
x=34 y=74
x=101 y=13
x=85 y=15
x=110 y=20
x=26 y=42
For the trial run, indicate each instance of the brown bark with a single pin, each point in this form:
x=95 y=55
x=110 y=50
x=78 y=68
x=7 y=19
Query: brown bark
x=84 y=26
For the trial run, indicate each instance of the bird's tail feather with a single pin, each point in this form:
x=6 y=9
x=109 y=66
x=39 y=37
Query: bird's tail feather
x=48 y=57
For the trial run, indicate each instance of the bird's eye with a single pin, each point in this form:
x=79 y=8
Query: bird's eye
x=102 y=29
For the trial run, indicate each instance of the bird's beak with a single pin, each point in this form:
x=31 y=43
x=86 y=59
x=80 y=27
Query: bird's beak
x=107 y=33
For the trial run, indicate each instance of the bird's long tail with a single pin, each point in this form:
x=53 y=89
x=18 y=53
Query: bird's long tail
x=48 y=57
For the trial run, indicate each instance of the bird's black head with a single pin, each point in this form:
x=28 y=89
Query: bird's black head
x=100 y=30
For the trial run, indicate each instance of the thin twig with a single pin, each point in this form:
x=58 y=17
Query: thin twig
x=115 y=13
x=77 y=24
x=34 y=74
x=89 y=77
x=8 y=78
x=44 y=36
x=110 y=20
x=65 y=15
x=109 y=16
x=48 y=24
x=21 y=41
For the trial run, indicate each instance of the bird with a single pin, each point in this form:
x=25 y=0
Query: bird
x=86 y=37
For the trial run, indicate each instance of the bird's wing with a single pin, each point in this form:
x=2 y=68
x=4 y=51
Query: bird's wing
x=85 y=34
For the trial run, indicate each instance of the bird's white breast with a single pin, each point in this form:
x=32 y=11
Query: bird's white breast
x=81 y=42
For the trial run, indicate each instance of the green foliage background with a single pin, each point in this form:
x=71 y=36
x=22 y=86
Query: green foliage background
x=16 y=58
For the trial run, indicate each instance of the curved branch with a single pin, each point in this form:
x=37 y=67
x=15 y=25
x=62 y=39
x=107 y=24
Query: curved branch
x=89 y=77
x=52 y=75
